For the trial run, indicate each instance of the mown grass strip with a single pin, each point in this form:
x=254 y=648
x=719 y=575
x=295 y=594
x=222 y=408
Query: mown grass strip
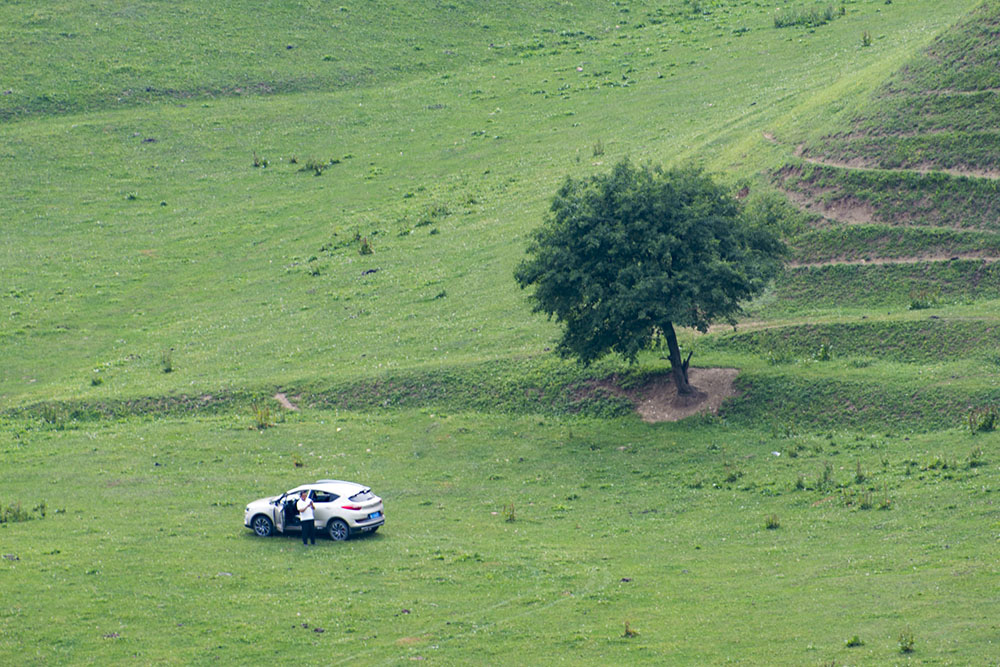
x=977 y=153
x=922 y=341
x=811 y=403
x=874 y=242
x=930 y=112
x=892 y=285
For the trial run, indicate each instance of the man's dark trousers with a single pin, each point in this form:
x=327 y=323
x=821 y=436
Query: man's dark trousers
x=309 y=531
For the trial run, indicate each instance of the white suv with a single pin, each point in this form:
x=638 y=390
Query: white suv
x=341 y=508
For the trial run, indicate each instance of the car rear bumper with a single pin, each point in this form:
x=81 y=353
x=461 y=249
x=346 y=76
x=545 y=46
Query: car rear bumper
x=366 y=527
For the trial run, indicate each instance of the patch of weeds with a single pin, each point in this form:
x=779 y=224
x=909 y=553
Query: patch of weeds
x=976 y=458
x=17 y=514
x=262 y=418
x=259 y=162
x=854 y=642
x=906 y=641
x=733 y=476
x=983 y=420
x=866 y=39
x=365 y=247
x=132 y=196
x=771 y=522
x=885 y=503
x=825 y=480
x=824 y=352
x=598 y=148
x=805 y=18
x=859 y=474
x=800 y=483
x=630 y=632
x=317 y=167
x=778 y=354
x=923 y=299
x=167 y=360
x=866 y=502
x=509 y=513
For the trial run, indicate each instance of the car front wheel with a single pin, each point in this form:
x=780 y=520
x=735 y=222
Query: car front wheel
x=262 y=526
x=338 y=530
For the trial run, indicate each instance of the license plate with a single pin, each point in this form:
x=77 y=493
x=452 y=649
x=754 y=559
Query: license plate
x=374 y=515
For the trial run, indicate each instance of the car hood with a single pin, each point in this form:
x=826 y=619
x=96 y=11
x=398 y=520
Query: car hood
x=263 y=501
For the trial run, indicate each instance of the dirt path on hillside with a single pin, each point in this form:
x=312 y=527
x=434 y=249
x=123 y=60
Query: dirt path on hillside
x=285 y=403
x=861 y=163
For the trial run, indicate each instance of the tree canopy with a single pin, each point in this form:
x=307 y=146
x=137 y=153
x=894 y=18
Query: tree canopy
x=623 y=257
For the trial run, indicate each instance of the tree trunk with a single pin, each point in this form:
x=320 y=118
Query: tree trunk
x=678 y=366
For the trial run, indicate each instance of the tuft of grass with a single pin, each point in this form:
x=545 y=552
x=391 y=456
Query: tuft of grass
x=854 y=642
x=772 y=522
x=983 y=420
x=167 y=360
x=906 y=641
x=262 y=418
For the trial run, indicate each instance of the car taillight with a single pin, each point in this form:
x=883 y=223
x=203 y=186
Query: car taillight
x=351 y=507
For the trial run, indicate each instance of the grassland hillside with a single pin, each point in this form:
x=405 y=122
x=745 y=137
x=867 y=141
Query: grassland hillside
x=248 y=245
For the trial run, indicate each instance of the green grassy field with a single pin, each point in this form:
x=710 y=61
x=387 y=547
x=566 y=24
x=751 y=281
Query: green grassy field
x=188 y=194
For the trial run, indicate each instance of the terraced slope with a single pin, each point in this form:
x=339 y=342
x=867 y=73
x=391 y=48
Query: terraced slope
x=913 y=178
x=890 y=296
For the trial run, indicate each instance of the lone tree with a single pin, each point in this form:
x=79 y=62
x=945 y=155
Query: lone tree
x=623 y=257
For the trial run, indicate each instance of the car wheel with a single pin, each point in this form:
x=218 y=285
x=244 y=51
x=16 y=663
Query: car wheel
x=338 y=530
x=262 y=526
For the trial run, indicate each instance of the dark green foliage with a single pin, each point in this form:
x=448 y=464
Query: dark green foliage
x=624 y=256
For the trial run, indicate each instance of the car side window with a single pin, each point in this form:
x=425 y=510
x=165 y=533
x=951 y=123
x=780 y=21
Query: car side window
x=323 y=497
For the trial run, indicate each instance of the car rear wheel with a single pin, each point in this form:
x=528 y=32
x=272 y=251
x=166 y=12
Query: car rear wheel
x=338 y=530
x=262 y=526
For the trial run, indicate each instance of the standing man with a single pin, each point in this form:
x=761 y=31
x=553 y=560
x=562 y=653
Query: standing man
x=306 y=517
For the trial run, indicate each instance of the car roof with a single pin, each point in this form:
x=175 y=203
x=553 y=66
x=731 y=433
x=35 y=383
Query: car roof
x=337 y=486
